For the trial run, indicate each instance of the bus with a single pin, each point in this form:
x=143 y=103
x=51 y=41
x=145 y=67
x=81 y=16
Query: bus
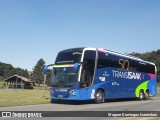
x=99 y=74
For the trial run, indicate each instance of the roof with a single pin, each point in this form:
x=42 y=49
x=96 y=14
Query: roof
x=19 y=77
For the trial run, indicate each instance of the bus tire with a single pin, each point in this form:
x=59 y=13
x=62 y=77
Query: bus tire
x=146 y=96
x=99 y=96
x=141 y=95
x=52 y=100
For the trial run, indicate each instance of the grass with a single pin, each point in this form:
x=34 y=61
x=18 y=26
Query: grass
x=41 y=87
x=19 y=97
x=156 y=118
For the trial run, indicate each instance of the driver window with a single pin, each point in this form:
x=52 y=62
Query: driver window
x=88 y=68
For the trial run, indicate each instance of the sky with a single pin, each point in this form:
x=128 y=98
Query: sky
x=34 y=29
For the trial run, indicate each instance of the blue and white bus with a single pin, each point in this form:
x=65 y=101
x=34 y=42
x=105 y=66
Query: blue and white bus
x=99 y=74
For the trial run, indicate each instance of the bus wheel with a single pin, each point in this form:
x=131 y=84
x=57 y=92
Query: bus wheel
x=146 y=96
x=99 y=96
x=52 y=100
x=141 y=95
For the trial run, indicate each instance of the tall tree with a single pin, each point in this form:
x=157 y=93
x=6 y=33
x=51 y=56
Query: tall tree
x=7 y=70
x=37 y=75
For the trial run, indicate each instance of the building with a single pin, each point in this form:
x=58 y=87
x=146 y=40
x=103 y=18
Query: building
x=17 y=81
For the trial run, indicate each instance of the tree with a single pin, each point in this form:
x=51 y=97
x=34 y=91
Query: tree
x=7 y=70
x=37 y=75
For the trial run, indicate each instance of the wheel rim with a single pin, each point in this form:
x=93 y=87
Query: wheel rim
x=99 y=97
x=146 y=95
x=141 y=95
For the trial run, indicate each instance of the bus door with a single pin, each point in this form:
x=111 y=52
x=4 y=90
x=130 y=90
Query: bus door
x=87 y=72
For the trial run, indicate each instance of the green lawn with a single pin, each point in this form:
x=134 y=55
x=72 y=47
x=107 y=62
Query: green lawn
x=158 y=118
x=19 y=97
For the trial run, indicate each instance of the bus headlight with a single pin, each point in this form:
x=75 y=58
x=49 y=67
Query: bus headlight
x=51 y=91
x=73 y=92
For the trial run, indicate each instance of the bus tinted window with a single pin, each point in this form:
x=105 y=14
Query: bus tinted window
x=145 y=67
x=132 y=65
x=107 y=60
x=89 y=57
x=113 y=61
x=69 y=56
x=102 y=60
x=151 y=68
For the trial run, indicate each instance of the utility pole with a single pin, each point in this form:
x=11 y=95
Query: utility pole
x=45 y=76
x=44 y=84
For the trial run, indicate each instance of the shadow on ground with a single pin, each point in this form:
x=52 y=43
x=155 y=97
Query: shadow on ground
x=92 y=101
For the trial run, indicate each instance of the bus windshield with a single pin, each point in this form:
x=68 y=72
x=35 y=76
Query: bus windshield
x=64 y=77
x=69 y=56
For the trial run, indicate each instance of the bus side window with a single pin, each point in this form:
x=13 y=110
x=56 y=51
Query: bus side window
x=133 y=65
x=102 y=60
x=107 y=60
x=145 y=67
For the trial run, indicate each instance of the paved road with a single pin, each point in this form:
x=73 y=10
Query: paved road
x=113 y=105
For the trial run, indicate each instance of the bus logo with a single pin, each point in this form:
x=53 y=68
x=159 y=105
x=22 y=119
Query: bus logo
x=127 y=75
x=102 y=78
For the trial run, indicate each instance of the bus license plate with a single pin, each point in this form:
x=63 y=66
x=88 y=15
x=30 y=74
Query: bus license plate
x=60 y=96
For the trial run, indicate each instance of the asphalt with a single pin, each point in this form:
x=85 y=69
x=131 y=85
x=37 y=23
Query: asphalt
x=89 y=107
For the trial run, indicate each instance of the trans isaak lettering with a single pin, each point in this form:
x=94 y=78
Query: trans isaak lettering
x=126 y=74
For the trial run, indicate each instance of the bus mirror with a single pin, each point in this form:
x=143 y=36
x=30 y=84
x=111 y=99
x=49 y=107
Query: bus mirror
x=76 y=66
x=45 y=69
